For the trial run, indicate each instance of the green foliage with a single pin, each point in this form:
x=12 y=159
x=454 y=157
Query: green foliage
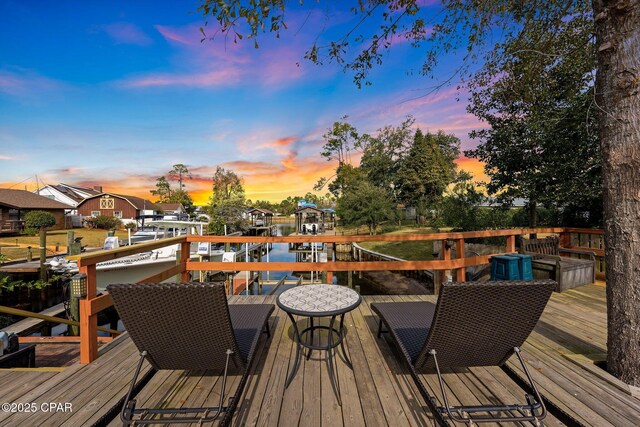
x=542 y=141
x=365 y=204
x=166 y=194
x=178 y=173
x=162 y=191
x=130 y=226
x=226 y=186
x=9 y=285
x=427 y=169
x=227 y=203
x=216 y=227
x=30 y=231
x=460 y=209
x=383 y=153
x=39 y=219
x=103 y=222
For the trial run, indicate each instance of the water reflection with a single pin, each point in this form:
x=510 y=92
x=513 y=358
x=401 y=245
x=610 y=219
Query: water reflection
x=281 y=252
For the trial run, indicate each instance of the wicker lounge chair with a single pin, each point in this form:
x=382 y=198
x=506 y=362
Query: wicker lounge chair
x=189 y=326
x=473 y=324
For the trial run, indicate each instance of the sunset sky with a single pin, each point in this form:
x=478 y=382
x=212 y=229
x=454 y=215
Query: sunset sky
x=115 y=93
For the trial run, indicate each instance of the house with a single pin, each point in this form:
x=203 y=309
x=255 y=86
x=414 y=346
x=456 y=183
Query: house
x=493 y=202
x=117 y=205
x=14 y=204
x=68 y=194
x=175 y=210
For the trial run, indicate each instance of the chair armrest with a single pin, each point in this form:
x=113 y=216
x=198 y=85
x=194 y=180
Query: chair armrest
x=539 y=256
x=591 y=254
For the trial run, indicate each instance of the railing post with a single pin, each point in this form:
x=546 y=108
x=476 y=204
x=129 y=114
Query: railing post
x=446 y=256
x=511 y=243
x=184 y=257
x=88 y=323
x=460 y=272
x=565 y=239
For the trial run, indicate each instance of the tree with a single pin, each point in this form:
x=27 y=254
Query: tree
x=184 y=198
x=165 y=194
x=226 y=185
x=472 y=25
x=340 y=141
x=227 y=202
x=383 y=153
x=427 y=170
x=178 y=173
x=460 y=208
x=541 y=143
x=618 y=97
x=365 y=204
x=41 y=220
x=162 y=191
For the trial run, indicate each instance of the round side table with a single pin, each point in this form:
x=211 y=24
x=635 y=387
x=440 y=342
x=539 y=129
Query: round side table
x=319 y=301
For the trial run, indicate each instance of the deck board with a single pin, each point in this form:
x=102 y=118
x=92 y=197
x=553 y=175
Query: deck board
x=378 y=392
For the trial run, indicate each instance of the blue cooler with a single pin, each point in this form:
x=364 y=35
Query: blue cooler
x=525 y=266
x=505 y=267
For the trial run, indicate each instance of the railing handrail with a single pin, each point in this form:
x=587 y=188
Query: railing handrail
x=92 y=304
x=91 y=258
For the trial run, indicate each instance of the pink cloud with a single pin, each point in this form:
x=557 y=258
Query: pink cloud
x=3 y=157
x=175 y=35
x=219 y=61
x=224 y=76
x=26 y=83
x=127 y=33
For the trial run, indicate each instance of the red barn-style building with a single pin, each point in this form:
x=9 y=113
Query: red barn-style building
x=117 y=205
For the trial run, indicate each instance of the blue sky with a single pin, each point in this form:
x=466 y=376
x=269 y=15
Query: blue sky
x=115 y=93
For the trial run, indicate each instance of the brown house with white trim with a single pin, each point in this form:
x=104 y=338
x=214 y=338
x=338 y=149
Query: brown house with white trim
x=117 y=205
x=14 y=204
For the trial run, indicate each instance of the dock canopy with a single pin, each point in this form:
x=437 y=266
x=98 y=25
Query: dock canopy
x=260 y=217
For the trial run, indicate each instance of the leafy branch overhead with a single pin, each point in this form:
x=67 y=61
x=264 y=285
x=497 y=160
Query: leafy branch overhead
x=474 y=28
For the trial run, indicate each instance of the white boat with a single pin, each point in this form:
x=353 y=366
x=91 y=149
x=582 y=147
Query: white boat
x=134 y=268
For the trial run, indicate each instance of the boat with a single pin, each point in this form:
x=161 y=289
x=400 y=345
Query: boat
x=134 y=268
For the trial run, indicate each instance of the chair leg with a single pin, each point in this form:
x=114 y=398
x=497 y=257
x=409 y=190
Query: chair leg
x=266 y=329
x=210 y=414
x=463 y=414
x=380 y=331
x=128 y=408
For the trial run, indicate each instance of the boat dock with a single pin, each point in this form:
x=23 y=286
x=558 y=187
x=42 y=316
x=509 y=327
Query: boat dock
x=569 y=337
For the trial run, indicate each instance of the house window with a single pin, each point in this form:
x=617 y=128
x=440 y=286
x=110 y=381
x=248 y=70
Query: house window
x=107 y=202
x=117 y=214
x=95 y=213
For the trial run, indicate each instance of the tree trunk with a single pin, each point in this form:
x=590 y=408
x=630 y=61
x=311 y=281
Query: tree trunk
x=617 y=24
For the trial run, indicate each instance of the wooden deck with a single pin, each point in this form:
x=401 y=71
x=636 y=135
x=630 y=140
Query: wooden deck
x=378 y=392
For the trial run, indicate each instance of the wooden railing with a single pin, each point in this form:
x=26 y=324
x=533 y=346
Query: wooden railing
x=93 y=304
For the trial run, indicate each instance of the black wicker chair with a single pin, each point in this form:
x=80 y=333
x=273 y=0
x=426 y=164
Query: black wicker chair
x=473 y=324
x=188 y=326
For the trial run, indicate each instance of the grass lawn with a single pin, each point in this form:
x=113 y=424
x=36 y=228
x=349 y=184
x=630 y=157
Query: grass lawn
x=91 y=238
x=411 y=251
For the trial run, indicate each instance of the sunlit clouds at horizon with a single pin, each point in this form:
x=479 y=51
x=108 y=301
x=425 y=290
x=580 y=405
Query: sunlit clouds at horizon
x=113 y=95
